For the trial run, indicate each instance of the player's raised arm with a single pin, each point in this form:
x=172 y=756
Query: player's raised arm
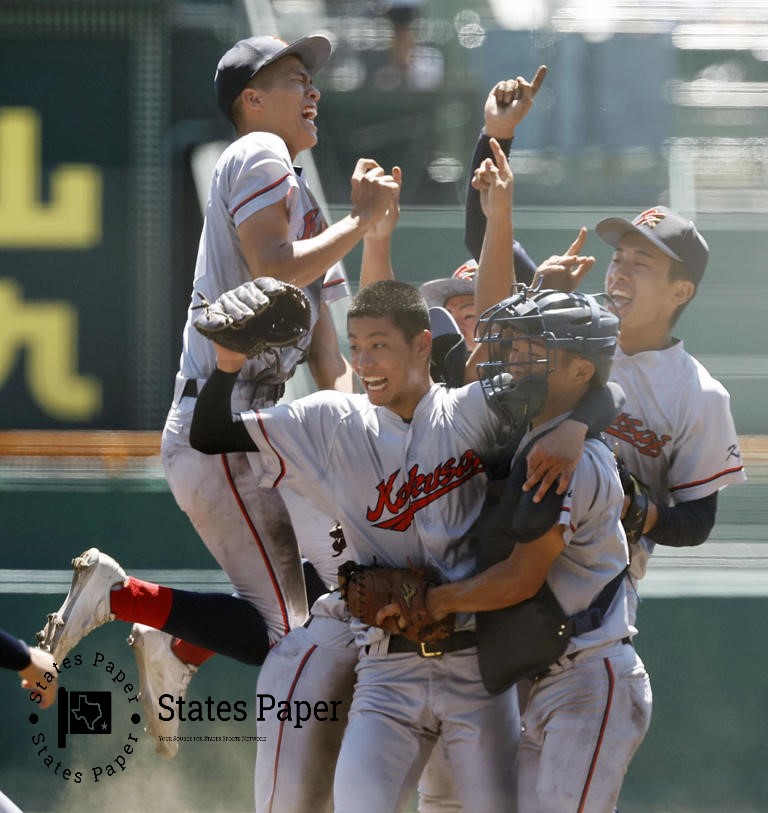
x=495 y=274
x=329 y=369
x=507 y=104
x=377 y=258
x=271 y=252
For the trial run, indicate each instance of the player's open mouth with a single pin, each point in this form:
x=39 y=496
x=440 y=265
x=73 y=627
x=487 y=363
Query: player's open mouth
x=619 y=299
x=309 y=113
x=374 y=384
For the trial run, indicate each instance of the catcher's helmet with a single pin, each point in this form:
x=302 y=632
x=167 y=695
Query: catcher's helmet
x=515 y=379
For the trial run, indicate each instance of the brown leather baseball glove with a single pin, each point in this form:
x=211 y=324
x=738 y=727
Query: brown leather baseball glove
x=368 y=588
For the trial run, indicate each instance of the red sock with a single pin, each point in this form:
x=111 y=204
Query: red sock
x=142 y=602
x=190 y=653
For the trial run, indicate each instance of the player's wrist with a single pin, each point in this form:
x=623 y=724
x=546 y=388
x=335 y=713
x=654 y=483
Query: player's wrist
x=361 y=222
x=231 y=364
x=501 y=134
x=436 y=601
x=373 y=238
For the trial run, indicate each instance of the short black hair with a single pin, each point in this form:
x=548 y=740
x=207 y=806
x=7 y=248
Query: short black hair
x=401 y=302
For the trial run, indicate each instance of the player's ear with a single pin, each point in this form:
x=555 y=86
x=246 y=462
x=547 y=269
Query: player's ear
x=423 y=344
x=683 y=291
x=251 y=98
x=582 y=370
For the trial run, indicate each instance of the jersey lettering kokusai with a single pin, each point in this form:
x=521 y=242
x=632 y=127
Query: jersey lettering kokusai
x=419 y=485
x=400 y=501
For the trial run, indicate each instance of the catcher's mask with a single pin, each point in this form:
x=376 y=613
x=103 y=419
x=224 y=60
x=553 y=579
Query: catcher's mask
x=523 y=331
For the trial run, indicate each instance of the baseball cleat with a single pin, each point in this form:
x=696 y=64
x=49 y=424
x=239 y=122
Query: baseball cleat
x=87 y=605
x=160 y=672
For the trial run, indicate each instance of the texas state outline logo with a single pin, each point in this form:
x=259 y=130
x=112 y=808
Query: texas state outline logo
x=102 y=709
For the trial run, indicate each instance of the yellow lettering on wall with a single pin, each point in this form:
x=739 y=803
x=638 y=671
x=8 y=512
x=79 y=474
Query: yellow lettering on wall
x=48 y=333
x=72 y=217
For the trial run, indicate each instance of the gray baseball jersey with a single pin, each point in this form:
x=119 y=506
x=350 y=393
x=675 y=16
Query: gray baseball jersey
x=676 y=432
x=595 y=545
x=400 y=489
x=253 y=173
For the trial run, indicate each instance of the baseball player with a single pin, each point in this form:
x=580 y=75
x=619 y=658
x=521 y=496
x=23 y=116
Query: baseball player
x=676 y=434
x=678 y=439
x=261 y=219
x=456 y=293
x=706 y=423
x=588 y=711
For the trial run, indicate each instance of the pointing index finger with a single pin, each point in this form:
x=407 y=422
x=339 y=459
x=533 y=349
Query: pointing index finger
x=538 y=79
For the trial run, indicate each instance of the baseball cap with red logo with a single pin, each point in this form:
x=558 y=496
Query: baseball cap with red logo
x=246 y=58
x=670 y=232
x=437 y=292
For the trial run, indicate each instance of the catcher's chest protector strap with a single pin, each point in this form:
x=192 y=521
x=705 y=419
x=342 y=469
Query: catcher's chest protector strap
x=591 y=618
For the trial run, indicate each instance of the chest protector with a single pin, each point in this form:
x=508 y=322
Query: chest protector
x=526 y=638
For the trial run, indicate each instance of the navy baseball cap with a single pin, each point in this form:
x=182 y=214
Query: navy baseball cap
x=246 y=58
x=670 y=232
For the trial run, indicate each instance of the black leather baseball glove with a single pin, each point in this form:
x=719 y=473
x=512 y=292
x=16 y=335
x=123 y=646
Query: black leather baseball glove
x=256 y=316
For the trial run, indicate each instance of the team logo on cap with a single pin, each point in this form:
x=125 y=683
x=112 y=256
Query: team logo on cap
x=650 y=218
x=467 y=271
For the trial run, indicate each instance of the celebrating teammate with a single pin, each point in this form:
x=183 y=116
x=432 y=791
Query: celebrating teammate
x=676 y=434
x=680 y=443
x=343 y=450
x=261 y=219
